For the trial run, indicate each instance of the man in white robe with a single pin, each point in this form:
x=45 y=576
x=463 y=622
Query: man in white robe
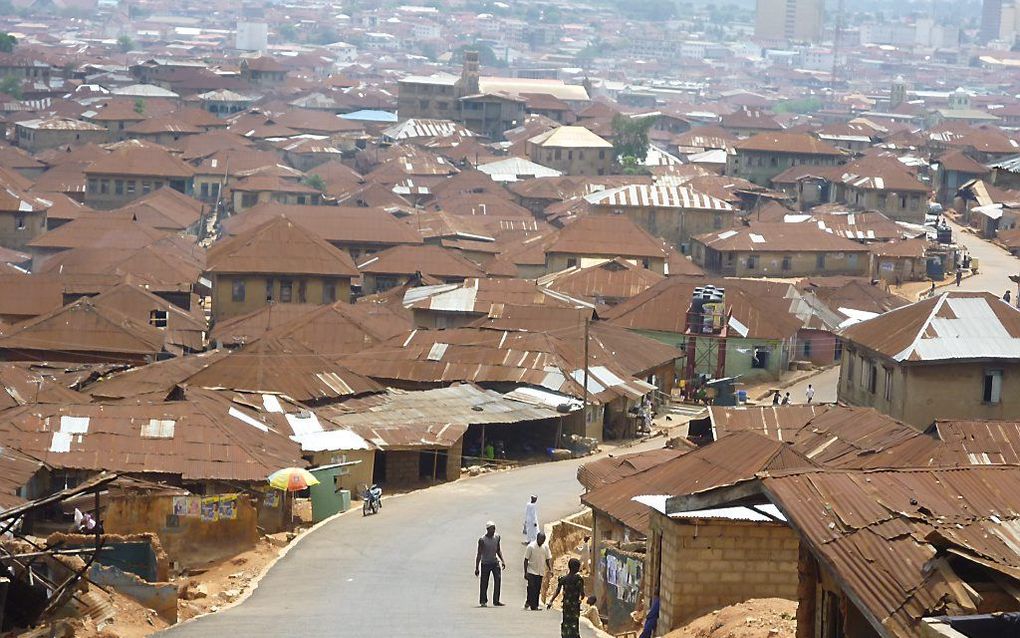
x=531 y=520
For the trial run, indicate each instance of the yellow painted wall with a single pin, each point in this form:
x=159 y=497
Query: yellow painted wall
x=360 y=474
x=920 y=394
x=223 y=305
x=555 y=262
x=34 y=224
x=191 y=541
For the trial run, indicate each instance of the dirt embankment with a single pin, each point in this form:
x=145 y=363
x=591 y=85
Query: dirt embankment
x=758 y=618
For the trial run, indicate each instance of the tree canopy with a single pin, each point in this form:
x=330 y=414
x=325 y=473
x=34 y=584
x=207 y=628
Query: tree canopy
x=10 y=85
x=7 y=42
x=630 y=136
x=315 y=181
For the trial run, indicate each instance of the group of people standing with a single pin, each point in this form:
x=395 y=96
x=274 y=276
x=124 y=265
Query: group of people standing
x=538 y=562
x=780 y=399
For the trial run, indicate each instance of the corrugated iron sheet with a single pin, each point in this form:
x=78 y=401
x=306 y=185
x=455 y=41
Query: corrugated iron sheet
x=984 y=442
x=878 y=531
x=207 y=442
x=734 y=459
x=951 y=326
x=657 y=196
x=429 y=418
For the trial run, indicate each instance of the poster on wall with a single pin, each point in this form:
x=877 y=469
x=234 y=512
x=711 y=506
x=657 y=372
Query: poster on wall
x=180 y=506
x=210 y=508
x=228 y=508
x=194 y=507
x=272 y=499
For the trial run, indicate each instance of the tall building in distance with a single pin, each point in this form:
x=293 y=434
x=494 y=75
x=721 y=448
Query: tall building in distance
x=777 y=20
x=1000 y=20
x=252 y=36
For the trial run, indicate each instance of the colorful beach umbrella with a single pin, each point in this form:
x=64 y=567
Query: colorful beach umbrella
x=292 y=479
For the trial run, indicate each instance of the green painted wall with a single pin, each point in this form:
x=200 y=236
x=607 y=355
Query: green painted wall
x=738 y=357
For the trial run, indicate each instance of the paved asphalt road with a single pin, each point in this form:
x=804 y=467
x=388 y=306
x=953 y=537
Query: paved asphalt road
x=407 y=571
x=994 y=269
x=825 y=384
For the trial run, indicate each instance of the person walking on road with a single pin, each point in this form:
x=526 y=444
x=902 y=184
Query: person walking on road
x=809 y=393
x=1006 y=297
x=531 y=520
x=959 y=276
x=786 y=399
x=572 y=586
x=537 y=561
x=488 y=562
x=776 y=398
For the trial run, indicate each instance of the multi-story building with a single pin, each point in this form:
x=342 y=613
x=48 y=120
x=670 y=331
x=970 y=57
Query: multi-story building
x=573 y=150
x=134 y=169
x=674 y=213
x=766 y=155
x=1000 y=20
x=779 y=20
x=953 y=356
x=276 y=262
x=22 y=217
x=779 y=250
x=486 y=105
x=38 y=135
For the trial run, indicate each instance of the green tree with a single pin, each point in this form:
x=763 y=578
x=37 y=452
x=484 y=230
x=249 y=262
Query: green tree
x=11 y=86
x=804 y=105
x=629 y=165
x=7 y=42
x=630 y=136
x=316 y=182
x=139 y=106
x=486 y=55
x=125 y=44
x=287 y=32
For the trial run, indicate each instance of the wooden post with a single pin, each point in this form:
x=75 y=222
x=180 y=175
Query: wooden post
x=807 y=587
x=4 y=583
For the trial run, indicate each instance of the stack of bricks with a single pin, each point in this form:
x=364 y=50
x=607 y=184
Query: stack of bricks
x=711 y=564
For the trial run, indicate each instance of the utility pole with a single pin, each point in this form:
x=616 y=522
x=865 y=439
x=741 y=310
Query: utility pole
x=587 y=324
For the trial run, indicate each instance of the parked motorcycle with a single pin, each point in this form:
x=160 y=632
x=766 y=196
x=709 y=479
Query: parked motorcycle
x=371 y=500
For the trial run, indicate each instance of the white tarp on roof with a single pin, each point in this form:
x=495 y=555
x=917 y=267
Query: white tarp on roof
x=331 y=441
x=303 y=423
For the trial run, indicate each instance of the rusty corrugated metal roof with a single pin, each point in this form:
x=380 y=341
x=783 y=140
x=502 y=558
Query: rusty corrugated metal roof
x=613 y=279
x=733 y=459
x=85 y=328
x=611 y=469
x=950 y=326
x=984 y=442
x=607 y=236
x=429 y=418
x=269 y=365
x=879 y=531
x=207 y=436
x=480 y=355
x=279 y=246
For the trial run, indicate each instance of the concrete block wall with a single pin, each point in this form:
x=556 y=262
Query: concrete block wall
x=453 y=460
x=402 y=467
x=707 y=566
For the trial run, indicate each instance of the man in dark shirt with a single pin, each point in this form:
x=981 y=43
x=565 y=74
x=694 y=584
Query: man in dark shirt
x=489 y=561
